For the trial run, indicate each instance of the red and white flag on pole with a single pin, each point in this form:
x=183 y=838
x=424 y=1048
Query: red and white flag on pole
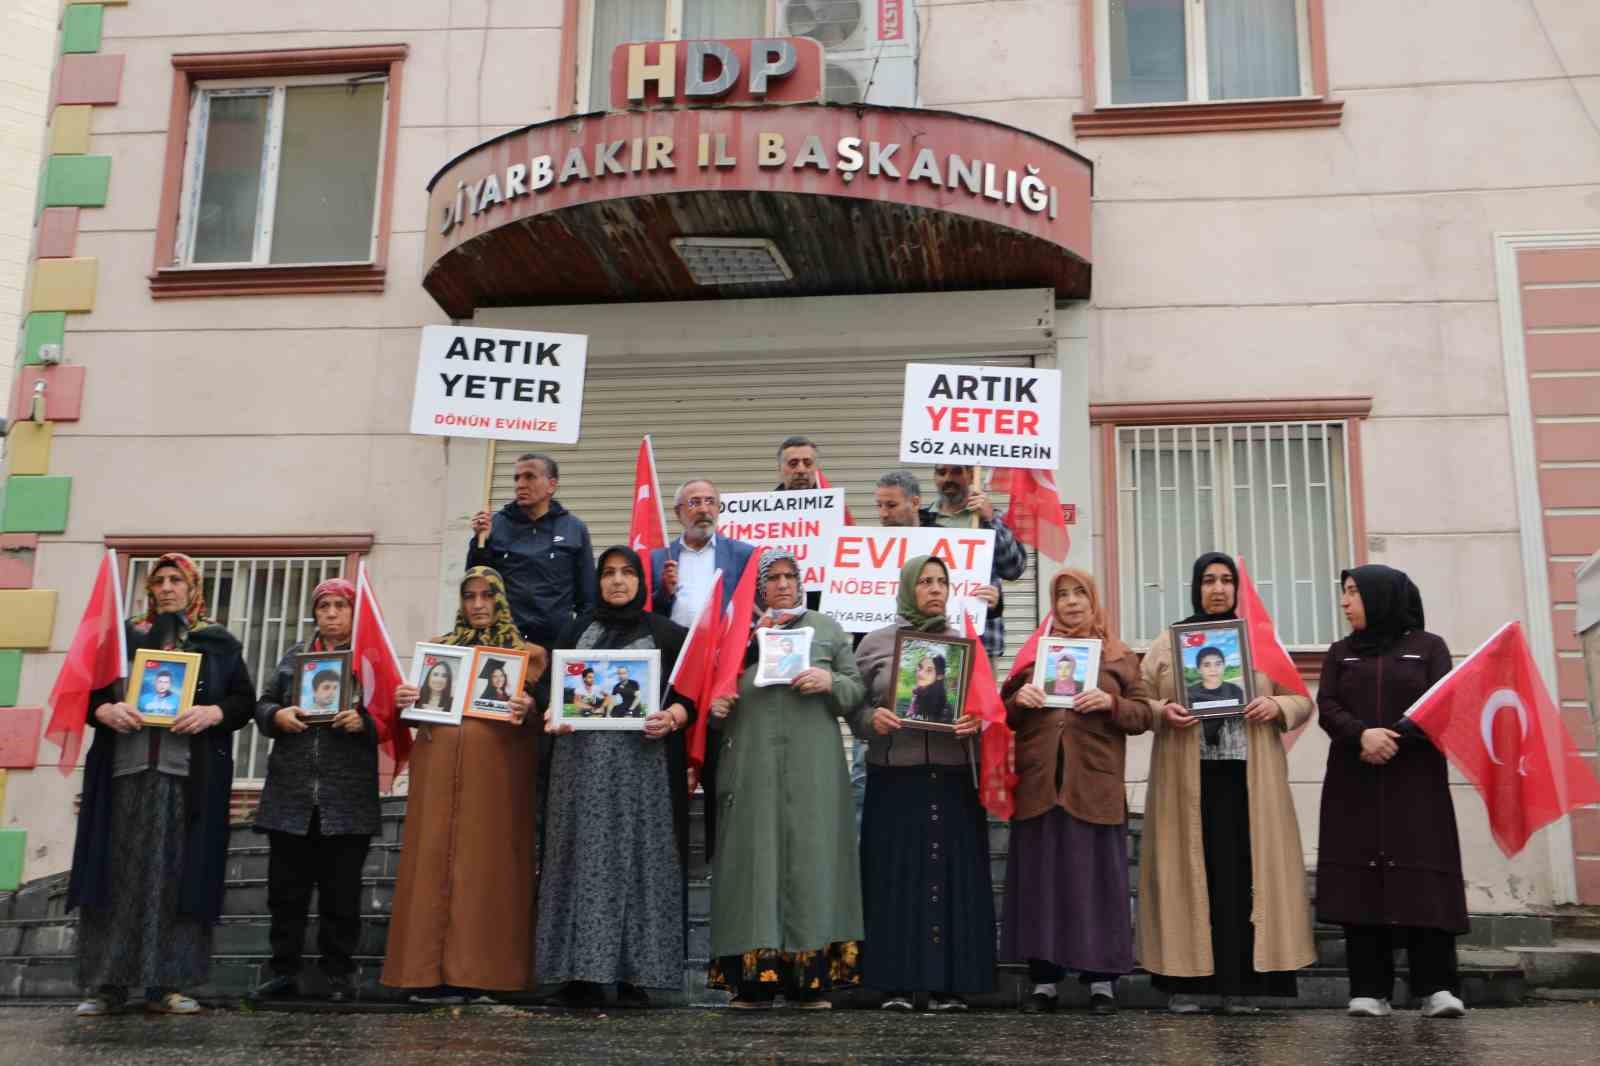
x=647 y=529
x=1494 y=719
x=997 y=778
x=1035 y=514
x=822 y=483
x=1270 y=656
x=379 y=669
x=696 y=667
x=739 y=622
x=98 y=656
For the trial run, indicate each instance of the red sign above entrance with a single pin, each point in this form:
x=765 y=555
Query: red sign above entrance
x=762 y=70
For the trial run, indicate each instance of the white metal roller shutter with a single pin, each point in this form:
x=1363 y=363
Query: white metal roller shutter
x=722 y=418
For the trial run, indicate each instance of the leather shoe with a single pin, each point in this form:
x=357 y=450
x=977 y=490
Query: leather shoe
x=1039 y=1003
x=1100 y=1003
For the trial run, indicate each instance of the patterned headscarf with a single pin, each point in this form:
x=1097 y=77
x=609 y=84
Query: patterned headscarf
x=501 y=631
x=781 y=615
x=907 y=608
x=194 y=613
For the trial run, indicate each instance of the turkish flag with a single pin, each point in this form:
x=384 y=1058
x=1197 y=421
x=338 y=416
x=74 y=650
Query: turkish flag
x=647 y=529
x=379 y=669
x=97 y=657
x=1270 y=656
x=739 y=621
x=822 y=483
x=997 y=778
x=1494 y=719
x=695 y=669
x=1035 y=513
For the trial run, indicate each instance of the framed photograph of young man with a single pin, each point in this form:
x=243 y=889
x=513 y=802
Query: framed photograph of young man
x=1212 y=659
x=495 y=677
x=322 y=685
x=1066 y=666
x=931 y=675
x=439 y=672
x=784 y=654
x=162 y=683
x=606 y=689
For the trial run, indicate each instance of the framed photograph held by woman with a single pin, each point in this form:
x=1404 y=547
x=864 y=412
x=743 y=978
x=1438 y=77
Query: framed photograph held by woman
x=439 y=673
x=1213 y=660
x=931 y=675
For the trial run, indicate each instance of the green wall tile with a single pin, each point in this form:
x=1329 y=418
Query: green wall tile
x=35 y=504
x=10 y=676
x=80 y=28
x=42 y=327
x=77 y=180
x=13 y=846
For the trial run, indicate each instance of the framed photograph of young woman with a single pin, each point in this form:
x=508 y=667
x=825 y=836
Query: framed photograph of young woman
x=322 y=685
x=930 y=689
x=439 y=672
x=161 y=684
x=784 y=654
x=495 y=677
x=607 y=689
x=1066 y=666
x=1213 y=659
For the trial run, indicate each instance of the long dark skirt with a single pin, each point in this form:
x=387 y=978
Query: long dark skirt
x=928 y=900
x=1067 y=897
x=139 y=941
x=1225 y=829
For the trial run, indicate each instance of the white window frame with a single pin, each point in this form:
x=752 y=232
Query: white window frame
x=276 y=89
x=671 y=30
x=1225 y=534
x=1195 y=59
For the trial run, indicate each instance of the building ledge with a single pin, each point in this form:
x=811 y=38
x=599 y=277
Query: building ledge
x=1207 y=118
x=267 y=281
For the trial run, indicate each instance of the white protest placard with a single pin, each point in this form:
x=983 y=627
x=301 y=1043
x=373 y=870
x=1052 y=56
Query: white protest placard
x=864 y=564
x=981 y=416
x=509 y=384
x=802 y=522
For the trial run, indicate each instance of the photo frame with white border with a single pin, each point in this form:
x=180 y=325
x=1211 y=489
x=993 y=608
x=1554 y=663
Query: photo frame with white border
x=483 y=701
x=781 y=655
x=1083 y=655
x=1236 y=687
x=447 y=706
x=160 y=701
x=612 y=689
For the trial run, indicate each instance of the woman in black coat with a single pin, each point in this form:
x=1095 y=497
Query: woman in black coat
x=1389 y=863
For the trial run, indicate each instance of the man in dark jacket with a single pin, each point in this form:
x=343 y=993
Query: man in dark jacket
x=963 y=505
x=541 y=549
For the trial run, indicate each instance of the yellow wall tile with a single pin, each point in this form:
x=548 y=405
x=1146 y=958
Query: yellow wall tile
x=28 y=447
x=26 y=617
x=69 y=129
x=64 y=284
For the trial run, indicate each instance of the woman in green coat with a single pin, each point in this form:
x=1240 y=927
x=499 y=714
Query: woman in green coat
x=786 y=882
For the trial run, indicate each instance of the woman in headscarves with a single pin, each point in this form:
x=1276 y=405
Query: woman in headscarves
x=147 y=867
x=1389 y=860
x=462 y=923
x=319 y=809
x=1067 y=893
x=1222 y=882
x=786 y=886
x=617 y=819
x=924 y=836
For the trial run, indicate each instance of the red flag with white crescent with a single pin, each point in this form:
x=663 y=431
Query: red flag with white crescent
x=695 y=669
x=997 y=778
x=1494 y=719
x=379 y=669
x=1034 y=515
x=647 y=528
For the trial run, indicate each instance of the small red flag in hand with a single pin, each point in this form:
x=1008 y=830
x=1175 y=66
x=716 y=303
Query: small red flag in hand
x=997 y=778
x=1035 y=514
x=379 y=669
x=647 y=529
x=98 y=656
x=695 y=669
x=1494 y=719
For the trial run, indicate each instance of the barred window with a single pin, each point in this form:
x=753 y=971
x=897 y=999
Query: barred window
x=1276 y=494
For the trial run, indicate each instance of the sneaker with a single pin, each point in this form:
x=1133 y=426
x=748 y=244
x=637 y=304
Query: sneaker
x=897 y=1003
x=277 y=986
x=478 y=998
x=94 y=1007
x=1182 y=1004
x=1100 y=1003
x=1367 y=1007
x=438 y=996
x=946 y=1002
x=172 y=1003
x=1443 y=1004
x=1235 y=1007
x=1038 y=1003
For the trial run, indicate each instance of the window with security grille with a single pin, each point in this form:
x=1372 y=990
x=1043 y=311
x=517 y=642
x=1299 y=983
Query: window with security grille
x=265 y=601
x=1276 y=494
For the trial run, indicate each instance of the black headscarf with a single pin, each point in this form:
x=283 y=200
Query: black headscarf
x=620 y=623
x=1392 y=603
x=1200 y=565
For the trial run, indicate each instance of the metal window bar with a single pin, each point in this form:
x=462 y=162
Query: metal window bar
x=1286 y=513
x=265 y=602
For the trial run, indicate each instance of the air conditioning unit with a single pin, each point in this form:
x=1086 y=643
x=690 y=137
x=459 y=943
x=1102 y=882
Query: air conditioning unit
x=870 y=47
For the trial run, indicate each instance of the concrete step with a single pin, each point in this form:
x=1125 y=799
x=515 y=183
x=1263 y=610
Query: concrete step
x=1564 y=963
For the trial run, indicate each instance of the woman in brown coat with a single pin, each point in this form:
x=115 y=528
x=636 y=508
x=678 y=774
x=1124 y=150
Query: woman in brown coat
x=1066 y=904
x=1389 y=867
x=1222 y=880
x=464 y=899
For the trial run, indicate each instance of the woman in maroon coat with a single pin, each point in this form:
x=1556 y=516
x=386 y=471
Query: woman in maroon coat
x=1389 y=863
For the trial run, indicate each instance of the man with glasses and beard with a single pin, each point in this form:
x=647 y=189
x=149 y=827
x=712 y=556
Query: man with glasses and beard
x=680 y=573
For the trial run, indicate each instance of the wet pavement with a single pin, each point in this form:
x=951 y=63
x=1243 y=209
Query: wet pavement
x=1562 y=1034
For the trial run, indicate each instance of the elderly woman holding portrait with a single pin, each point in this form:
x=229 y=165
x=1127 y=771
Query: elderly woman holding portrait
x=319 y=809
x=1222 y=882
x=924 y=836
x=147 y=867
x=617 y=819
x=1066 y=902
x=463 y=913
x=786 y=887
